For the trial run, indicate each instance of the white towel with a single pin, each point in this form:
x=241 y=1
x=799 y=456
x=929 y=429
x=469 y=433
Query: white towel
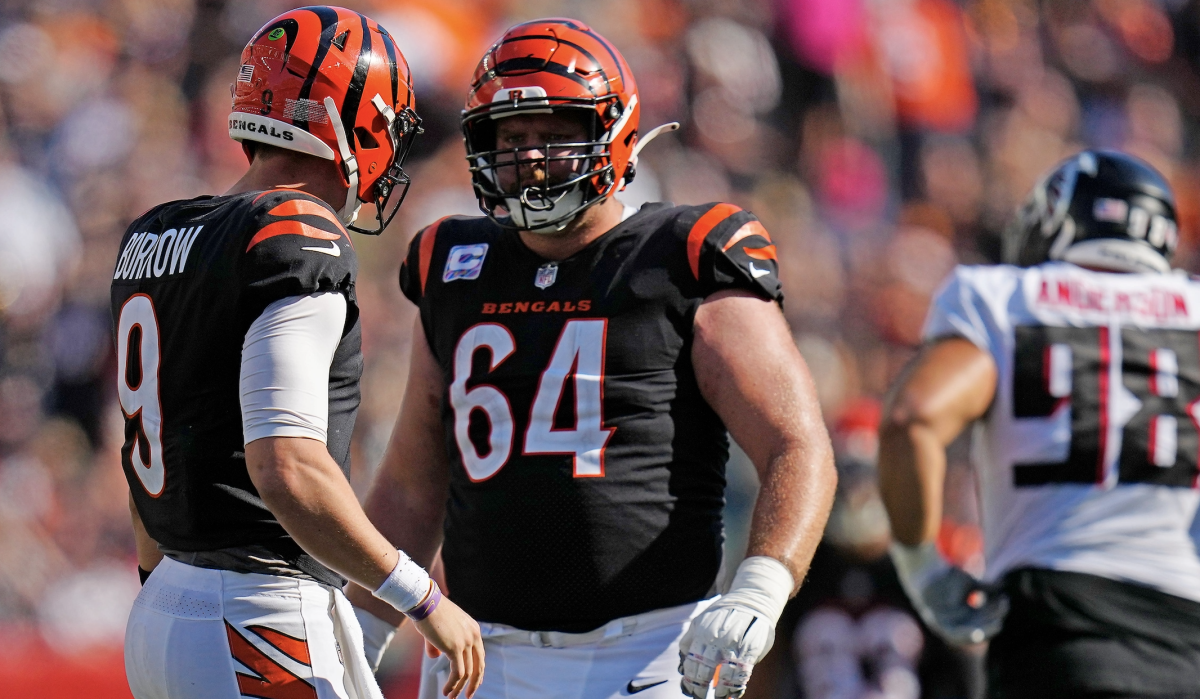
x=360 y=682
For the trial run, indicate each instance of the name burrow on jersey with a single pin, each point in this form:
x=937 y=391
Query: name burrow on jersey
x=149 y=255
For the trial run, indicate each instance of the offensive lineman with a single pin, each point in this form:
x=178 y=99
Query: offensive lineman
x=1079 y=364
x=239 y=351
x=574 y=368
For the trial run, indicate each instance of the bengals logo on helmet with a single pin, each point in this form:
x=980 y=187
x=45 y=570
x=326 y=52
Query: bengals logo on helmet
x=332 y=83
x=553 y=64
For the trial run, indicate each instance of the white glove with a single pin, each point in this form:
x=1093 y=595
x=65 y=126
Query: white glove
x=377 y=634
x=951 y=602
x=736 y=631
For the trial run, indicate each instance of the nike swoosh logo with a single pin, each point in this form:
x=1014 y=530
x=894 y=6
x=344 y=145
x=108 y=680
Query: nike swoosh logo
x=334 y=251
x=754 y=271
x=632 y=688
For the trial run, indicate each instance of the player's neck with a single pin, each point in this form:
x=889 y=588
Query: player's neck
x=587 y=227
x=298 y=171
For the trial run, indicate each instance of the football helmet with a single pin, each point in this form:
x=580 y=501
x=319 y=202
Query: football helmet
x=552 y=66
x=1100 y=209
x=331 y=82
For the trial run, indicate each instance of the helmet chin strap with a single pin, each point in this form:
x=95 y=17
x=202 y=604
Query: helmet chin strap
x=349 y=212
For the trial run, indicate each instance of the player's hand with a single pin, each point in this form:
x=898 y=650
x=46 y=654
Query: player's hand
x=725 y=641
x=951 y=602
x=451 y=631
x=736 y=631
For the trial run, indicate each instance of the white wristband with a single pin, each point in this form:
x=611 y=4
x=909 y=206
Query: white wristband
x=762 y=584
x=406 y=587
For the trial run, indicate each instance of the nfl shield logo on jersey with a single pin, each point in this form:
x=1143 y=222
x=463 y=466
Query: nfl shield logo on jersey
x=546 y=275
x=464 y=262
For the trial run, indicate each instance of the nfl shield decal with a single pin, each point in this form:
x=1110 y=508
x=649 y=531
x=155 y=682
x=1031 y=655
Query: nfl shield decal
x=464 y=262
x=546 y=275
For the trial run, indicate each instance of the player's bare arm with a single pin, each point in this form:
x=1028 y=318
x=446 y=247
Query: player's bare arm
x=949 y=385
x=148 y=554
x=406 y=501
x=750 y=372
x=307 y=492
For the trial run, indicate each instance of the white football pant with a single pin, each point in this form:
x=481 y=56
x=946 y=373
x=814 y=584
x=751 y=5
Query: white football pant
x=632 y=656
x=197 y=633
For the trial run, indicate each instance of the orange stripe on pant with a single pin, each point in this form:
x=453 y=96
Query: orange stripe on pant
x=276 y=681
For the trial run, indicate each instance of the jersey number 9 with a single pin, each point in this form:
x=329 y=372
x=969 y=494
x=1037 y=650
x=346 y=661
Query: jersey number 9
x=137 y=387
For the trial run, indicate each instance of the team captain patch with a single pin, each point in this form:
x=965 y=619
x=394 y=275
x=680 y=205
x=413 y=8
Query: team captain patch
x=464 y=262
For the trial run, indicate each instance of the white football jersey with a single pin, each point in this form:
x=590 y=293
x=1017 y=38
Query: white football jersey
x=1087 y=458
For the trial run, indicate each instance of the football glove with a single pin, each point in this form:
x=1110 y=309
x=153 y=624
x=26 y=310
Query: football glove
x=736 y=631
x=951 y=602
x=377 y=635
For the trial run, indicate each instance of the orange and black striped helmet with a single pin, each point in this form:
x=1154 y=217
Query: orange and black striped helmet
x=331 y=82
x=543 y=66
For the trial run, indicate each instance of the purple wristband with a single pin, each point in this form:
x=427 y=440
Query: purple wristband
x=426 y=607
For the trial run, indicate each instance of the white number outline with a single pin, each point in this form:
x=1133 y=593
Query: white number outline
x=463 y=402
x=153 y=476
x=536 y=443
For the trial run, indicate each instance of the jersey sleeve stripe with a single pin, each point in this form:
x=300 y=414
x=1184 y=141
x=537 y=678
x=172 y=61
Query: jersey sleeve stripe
x=425 y=254
x=290 y=227
x=763 y=253
x=747 y=231
x=702 y=228
x=299 y=207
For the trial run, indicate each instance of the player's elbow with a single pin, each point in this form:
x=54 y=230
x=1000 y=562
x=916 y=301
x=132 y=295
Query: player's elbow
x=280 y=467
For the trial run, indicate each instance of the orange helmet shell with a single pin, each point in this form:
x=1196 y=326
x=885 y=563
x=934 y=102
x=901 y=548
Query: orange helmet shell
x=556 y=63
x=301 y=58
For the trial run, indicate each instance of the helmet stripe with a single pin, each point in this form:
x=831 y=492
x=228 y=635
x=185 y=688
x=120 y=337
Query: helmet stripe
x=329 y=22
x=354 y=92
x=389 y=45
x=527 y=63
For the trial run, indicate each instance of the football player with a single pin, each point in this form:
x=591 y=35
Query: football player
x=575 y=365
x=239 y=345
x=1078 y=363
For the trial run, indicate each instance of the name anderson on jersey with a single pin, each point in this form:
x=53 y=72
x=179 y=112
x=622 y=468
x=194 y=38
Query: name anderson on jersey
x=153 y=255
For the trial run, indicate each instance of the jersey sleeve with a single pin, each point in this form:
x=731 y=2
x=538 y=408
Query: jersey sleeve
x=959 y=310
x=728 y=248
x=284 y=382
x=414 y=271
x=295 y=246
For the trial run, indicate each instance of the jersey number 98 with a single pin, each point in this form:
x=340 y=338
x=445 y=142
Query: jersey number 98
x=1133 y=397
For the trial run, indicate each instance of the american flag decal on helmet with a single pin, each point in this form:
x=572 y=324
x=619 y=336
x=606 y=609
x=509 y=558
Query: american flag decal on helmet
x=246 y=74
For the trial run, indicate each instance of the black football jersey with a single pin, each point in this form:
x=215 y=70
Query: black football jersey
x=191 y=277
x=587 y=470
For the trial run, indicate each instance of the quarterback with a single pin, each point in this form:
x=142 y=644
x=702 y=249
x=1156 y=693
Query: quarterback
x=239 y=349
x=1078 y=362
x=575 y=366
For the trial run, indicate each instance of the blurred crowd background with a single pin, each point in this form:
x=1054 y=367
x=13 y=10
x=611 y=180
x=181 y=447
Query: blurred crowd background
x=880 y=141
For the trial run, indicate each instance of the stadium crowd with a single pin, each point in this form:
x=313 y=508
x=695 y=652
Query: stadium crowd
x=881 y=142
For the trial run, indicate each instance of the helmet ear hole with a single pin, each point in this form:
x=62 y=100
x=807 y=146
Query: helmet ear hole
x=365 y=140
